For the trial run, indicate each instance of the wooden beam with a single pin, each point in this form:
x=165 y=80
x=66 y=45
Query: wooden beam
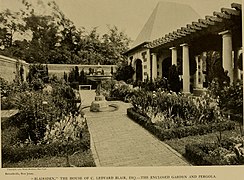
x=214 y=19
x=230 y=11
x=166 y=35
x=169 y=39
x=179 y=33
x=183 y=31
x=175 y=36
x=221 y=15
x=190 y=26
x=147 y=45
x=207 y=22
x=188 y=30
x=198 y=24
x=236 y=6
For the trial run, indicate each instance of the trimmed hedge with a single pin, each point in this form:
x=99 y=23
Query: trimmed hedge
x=165 y=134
x=16 y=153
x=198 y=154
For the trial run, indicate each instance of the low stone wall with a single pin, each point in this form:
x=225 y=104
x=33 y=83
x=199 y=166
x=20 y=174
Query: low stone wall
x=59 y=69
x=9 y=68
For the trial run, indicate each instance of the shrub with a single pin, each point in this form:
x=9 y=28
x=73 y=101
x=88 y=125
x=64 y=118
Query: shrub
x=117 y=90
x=230 y=98
x=214 y=153
x=158 y=83
x=37 y=109
x=124 y=72
x=16 y=154
x=174 y=80
x=9 y=91
x=179 y=132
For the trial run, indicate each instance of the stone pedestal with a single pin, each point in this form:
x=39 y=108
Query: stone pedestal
x=99 y=104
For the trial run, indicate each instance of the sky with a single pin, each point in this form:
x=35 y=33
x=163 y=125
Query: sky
x=128 y=15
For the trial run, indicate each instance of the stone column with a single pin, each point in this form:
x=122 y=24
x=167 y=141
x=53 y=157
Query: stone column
x=235 y=70
x=186 y=68
x=227 y=53
x=154 y=66
x=174 y=55
x=200 y=84
x=196 y=82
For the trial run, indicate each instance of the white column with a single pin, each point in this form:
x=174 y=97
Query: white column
x=196 y=83
x=174 y=55
x=186 y=68
x=227 y=53
x=154 y=66
x=200 y=84
x=235 y=70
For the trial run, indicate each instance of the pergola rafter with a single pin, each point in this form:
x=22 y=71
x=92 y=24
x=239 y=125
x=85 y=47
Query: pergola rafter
x=198 y=24
x=221 y=15
x=230 y=11
x=190 y=26
x=206 y=22
x=217 y=21
x=236 y=6
x=214 y=19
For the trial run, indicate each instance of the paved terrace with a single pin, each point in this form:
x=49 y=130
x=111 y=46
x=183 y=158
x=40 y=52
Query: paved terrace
x=118 y=141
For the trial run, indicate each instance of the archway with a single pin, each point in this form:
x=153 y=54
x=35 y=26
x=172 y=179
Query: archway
x=138 y=65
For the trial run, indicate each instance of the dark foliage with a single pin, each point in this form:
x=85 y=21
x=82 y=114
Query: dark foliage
x=124 y=73
x=164 y=134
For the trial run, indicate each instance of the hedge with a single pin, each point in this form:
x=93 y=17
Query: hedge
x=166 y=134
x=198 y=154
x=17 y=153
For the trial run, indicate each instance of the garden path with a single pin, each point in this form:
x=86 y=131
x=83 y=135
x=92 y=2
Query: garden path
x=118 y=141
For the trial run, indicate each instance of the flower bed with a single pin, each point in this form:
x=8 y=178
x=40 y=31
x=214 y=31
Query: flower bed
x=16 y=152
x=179 y=132
x=226 y=152
x=49 y=124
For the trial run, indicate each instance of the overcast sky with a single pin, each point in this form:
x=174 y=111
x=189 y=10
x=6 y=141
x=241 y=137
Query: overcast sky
x=128 y=15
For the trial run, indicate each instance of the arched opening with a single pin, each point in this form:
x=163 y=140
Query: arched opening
x=138 y=64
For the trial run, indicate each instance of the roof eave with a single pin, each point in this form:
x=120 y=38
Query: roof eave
x=136 y=47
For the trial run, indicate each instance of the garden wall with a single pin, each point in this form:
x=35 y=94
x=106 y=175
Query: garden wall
x=59 y=69
x=8 y=68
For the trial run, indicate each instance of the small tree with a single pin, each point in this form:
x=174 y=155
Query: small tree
x=174 y=81
x=65 y=77
x=124 y=73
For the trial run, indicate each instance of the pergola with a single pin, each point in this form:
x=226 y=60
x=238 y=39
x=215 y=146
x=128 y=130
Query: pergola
x=220 y=32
